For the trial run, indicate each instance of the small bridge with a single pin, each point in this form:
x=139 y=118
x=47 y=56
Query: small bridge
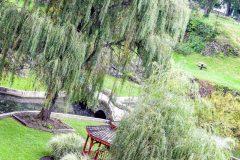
x=113 y=110
x=106 y=109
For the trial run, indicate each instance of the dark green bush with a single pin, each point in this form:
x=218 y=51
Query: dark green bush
x=195 y=44
x=197 y=35
x=201 y=29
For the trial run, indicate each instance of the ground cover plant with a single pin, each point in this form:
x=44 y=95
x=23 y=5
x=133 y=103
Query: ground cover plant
x=30 y=144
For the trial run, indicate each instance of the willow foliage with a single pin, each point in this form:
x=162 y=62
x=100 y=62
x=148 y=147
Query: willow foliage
x=65 y=39
x=163 y=126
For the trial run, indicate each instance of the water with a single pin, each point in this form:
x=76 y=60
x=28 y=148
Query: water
x=11 y=104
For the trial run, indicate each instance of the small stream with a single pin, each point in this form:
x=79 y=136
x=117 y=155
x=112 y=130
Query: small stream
x=11 y=104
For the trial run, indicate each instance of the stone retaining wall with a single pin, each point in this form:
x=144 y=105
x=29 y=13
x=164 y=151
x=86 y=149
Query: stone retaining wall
x=113 y=111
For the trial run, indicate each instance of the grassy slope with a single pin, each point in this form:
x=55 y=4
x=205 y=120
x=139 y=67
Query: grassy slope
x=229 y=28
x=20 y=143
x=222 y=71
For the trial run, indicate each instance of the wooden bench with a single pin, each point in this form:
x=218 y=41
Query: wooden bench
x=101 y=136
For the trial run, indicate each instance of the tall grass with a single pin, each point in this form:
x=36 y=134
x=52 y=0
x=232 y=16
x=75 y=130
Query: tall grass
x=62 y=145
x=163 y=126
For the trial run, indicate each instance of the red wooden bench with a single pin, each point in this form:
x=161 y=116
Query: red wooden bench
x=100 y=136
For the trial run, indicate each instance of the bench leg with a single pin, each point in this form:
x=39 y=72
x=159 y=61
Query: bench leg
x=90 y=147
x=97 y=153
x=85 y=146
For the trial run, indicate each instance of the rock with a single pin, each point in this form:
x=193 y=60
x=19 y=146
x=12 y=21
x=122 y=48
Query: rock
x=111 y=111
x=213 y=48
x=110 y=94
x=135 y=70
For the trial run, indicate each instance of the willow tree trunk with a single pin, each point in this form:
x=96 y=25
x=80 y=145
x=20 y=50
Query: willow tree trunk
x=207 y=11
x=48 y=108
x=229 y=9
x=3 y=59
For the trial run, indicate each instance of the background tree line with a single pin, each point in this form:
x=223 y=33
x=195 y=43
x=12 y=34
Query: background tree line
x=232 y=6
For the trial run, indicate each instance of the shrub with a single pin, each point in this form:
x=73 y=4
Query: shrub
x=197 y=35
x=197 y=43
x=194 y=44
x=204 y=30
x=224 y=115
x=163 y=125
x=61 y=145
x=72 y=156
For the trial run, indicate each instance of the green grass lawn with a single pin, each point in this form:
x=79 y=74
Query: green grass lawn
x=22 y=83
x=30 y=84
x=224 y=71
x=18 y=142
x=123 y=89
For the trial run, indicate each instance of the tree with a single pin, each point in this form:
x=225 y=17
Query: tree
x=209 y=5
x=65 y=41
x=163 y=125
x=229 y=10
x=232 y=6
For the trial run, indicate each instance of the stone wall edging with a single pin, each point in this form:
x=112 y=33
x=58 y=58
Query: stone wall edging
x=58 y=115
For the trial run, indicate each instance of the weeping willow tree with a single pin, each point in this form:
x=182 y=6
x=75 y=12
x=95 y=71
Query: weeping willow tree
x=163 y=126
x=64 y=40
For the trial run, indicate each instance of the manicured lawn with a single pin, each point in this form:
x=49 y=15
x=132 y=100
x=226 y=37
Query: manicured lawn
x=21 y=143
x=30 y=84
x=224 y=71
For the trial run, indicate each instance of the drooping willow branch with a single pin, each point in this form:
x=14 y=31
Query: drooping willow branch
x=60 y=37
